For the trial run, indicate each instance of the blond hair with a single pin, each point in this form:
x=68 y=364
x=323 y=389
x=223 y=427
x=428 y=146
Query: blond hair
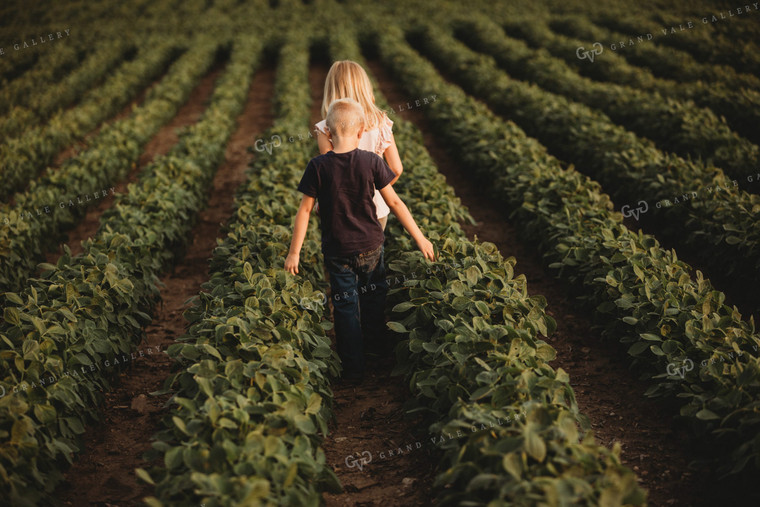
x=345 y=117
x=347 y=79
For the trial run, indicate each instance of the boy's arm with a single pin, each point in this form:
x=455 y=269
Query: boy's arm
x=299 y=233
x=399 y=209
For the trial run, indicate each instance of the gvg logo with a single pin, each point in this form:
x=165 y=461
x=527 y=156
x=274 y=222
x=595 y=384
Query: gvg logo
x=364 y=459
x=262 y=145
x=312 y=303
x=642 y=208
x=674 y=369
x=582 y=53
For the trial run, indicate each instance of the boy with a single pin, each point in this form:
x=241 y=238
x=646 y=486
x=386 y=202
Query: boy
x=344 y=180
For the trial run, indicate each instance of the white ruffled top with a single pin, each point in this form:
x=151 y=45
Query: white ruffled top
x=377 y=141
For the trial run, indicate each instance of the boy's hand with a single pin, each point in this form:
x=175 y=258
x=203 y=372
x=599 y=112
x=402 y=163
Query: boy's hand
x=291 y=263
x=299 y=234
x=426 y=247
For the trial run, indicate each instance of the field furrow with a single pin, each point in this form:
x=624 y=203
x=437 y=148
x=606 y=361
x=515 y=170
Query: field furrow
x=696 y=205
x=641 y=294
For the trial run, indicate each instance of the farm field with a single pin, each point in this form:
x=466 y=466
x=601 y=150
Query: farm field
x=589 y=176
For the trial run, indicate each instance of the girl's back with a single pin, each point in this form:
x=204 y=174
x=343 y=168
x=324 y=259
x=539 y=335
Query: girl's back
x=375 y=140
x=347 y=79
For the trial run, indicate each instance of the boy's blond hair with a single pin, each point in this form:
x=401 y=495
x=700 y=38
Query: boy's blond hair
x=345 y=117
x=347 y=79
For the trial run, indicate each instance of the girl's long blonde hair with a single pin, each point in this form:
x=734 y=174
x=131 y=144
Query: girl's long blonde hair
x=347 y=79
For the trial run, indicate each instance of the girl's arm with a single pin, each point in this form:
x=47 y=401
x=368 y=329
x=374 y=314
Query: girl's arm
x=323 y=142
x=299 y=234
x=393 y=159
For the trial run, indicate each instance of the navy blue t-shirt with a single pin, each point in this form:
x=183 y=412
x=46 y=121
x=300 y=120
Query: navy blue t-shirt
x=344 y=184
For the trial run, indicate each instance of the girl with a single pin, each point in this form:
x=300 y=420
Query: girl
x=347 y=79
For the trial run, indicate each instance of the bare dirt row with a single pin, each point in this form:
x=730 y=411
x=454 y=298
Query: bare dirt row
x=104 y=472
x=371 y=416
x=608 y=393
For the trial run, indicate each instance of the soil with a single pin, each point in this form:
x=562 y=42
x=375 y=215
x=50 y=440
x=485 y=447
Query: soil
x=73 y=149
x=104 y=474
x=377 y=403
x=159 y=145
x=372 y=425
x=80 y=145
x=653 y=444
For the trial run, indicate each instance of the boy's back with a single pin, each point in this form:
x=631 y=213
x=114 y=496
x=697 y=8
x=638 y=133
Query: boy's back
x=344 y=184
x=352 y=240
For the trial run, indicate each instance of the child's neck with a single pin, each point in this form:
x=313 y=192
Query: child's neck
x=344 y=145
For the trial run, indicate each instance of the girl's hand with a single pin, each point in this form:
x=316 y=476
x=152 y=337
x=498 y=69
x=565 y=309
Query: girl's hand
x=426 y=247
x=291 y=263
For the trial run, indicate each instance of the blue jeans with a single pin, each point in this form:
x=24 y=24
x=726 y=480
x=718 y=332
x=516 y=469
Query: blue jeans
x=358 y=295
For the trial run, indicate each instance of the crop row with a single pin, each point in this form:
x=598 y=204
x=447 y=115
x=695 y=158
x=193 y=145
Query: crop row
x=27 y=71
x=724 y=35
x=640 y=293
x=88 y=30
x=54 y=64
x=252 y=393
x=62 y=93
x=743 y=26
x=88 y=311
x=708 y=212
x=23 y=158
x=663 y=60
x=39 y=216
x=465 y=317
x=741 y=108
x=683 y=50
x=11 y=66
x=475 y=362
x=675 y=126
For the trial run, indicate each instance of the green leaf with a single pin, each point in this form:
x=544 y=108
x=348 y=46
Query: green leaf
x=733 y=240
x=173 y=458
x=45 y=413
x=206 y=386
x=512 y=464
x=142 y=474
x=292 y=471
x=227 y=423
x=75 y=424
x=315 y=403
x=180 y=424
x=21 y=428
x=397 y=327
x=707 y=415
x=14 y=298
x=460 y=303
x=402 y=307
x=472 y=274
x=534 y=445
x=11 y=316
x=637 y=348
x=482 y=308
x=211 y=350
